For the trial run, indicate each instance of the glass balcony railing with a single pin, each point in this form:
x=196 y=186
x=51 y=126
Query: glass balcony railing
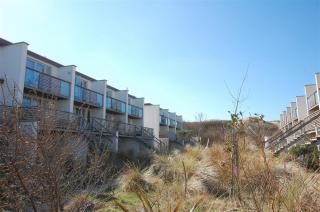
x=86 y=96
x=135 y=111
x=163 y=120
x=172 y=122
x=115 y=105
x=312 y=100
x=46 y=83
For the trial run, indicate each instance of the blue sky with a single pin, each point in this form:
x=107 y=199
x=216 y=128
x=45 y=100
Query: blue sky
x=180 y=54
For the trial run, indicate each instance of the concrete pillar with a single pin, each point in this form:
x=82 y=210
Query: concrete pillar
x=12 y=69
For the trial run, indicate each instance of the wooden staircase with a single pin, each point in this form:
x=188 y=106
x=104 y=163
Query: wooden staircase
x=300 y=131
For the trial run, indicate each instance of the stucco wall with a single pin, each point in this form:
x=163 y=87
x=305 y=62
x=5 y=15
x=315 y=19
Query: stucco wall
x=302 y=107
x=12 y=70
x=152 y=118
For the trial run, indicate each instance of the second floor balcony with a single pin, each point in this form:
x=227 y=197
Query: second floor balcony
x=172 y=123
x=135 y=112
x=115 y=105
x=46 y=84
x=312 y=101
x=88 y=97
x=163 y=120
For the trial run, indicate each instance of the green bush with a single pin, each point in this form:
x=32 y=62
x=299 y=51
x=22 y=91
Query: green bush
x=309 y=153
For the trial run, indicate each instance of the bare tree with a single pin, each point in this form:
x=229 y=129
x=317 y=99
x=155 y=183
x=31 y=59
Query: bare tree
x=46 y=157
x=236 y=123
x=200 y=118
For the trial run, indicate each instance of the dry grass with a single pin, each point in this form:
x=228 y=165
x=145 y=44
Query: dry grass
x=200 y=177
x=132 y=179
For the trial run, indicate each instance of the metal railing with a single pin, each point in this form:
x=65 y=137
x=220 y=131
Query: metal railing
x=46 y=83
x=115 y=105
x=309 y=124
x=87 y=96
x=135 y=111
x=172 y=123
x=163 y=120
x=47 y=119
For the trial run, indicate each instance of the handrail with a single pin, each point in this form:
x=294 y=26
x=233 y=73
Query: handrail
x=47 y=83
x=280 y=136
x=43 y=73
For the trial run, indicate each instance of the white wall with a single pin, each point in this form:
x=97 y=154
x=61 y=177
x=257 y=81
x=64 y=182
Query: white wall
x=281 y=121
x=180 y=119
x=294 y=114
x=309 y=90
x=289 y=118
x=67 y=73
x=100 y=86
x=317 y=78
x=164 y=130
x=302 y=107
x=152 y=118
x=138 y=102
x=12 y=70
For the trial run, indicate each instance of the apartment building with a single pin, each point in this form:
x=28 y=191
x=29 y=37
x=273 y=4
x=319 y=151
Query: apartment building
x=31 y=80
x=166 y=124
x=300 y=122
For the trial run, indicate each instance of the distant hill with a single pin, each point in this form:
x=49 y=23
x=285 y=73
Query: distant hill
x=217 y=130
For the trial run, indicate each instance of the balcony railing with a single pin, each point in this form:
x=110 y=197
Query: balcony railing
x=163 y=120
x=135 y=111
x=312 y=100
x=59 y=120
x=179 y=125
x=172 y=122
x=86 y=96
x=46 y=83
x=115 y=105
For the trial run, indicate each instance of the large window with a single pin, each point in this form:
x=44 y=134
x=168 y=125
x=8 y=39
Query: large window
x=32 y=64
x=77 y=93
x=81 y=82
x=116 y=105
x=135 y=111
x=32 y=78
x=99 y=100
x=65 y=88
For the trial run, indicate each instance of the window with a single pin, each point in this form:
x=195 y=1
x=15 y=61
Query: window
x=99 y=100
x=32 y=78
x=77 y=93
x=109 y=102
x=32 y=64
x=64 y=88
x=123 y=107
x=25 y=102
x=81 y=82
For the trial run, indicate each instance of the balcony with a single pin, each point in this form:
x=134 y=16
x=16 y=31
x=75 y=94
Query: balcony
x=46 y=84
x=294 y=114
x=312 y=101
x=88 y=97
x=179 y=125
x=115 y=105
x=135 y=112
x=163 y=120
x=172 y=123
